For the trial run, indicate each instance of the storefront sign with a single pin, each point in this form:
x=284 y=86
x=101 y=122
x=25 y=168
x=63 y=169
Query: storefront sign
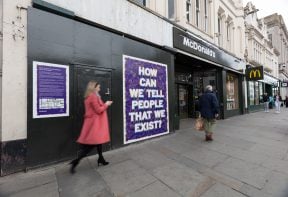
x=254 y=73
x=145 y=99
x=197 y=46
x=50 y=90
x=284 y=84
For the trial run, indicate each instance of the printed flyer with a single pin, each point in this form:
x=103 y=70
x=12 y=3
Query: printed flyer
x=50 y=90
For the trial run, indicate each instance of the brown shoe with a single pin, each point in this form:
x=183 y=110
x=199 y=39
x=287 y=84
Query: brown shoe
x=209 y=137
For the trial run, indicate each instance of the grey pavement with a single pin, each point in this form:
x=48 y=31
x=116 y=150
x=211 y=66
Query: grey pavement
x=248 y=157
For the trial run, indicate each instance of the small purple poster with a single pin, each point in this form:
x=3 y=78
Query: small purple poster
x=145 y=99
x=50 y=90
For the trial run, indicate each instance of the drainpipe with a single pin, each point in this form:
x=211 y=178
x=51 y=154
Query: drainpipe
x=1 y=65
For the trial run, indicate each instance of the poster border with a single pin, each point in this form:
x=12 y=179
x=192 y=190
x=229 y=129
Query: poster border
x=35 y=87
x=124 y=100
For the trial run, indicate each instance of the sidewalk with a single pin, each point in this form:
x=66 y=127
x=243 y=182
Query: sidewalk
x=249 y=157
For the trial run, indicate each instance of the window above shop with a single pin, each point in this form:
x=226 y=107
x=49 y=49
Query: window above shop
x=141 y=2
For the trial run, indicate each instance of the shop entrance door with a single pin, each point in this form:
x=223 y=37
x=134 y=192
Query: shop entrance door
x=200 y=80
x=183 y=95
x=84 y=74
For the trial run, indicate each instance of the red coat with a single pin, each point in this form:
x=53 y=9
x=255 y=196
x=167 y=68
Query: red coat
x=95 y=129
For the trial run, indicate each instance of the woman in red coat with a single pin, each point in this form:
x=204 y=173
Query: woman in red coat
x=95 y=129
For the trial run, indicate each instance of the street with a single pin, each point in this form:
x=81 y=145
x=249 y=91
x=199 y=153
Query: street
x=248 y=157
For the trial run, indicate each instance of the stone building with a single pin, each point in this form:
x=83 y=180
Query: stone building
x=278 y=36
x=259 y=51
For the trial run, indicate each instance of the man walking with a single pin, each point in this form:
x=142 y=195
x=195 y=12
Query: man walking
x=266 y=102
x=209 y=109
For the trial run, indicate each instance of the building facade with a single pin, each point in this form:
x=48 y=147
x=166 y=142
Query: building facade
x=53 y=48
x=259 y=52
x=278 y=35
x=215 y=24
x=154 y=63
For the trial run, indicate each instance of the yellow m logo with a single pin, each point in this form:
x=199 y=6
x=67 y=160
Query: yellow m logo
x=254 y=73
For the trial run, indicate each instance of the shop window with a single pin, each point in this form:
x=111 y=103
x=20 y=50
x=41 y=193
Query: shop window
x=261 y=92
x=219 y=30
x=141 y=2
x=251 y=93
x=232 y=92
x=171 y=9
x=257 y=99
x=255 y=92
x=206 y=15
x=183 y=78
x=188 y=10
x=197 y=13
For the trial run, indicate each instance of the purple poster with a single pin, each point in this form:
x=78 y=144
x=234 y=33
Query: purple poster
x=50 y=90
x=145 y=99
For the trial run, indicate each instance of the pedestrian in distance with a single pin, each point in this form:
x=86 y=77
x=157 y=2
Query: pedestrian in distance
x=266 y=102
x=209 y=109
x=271 y=102
x=277 y=103
x=95 y=129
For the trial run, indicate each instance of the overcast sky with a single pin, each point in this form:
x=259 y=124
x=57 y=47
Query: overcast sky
x=267 y=7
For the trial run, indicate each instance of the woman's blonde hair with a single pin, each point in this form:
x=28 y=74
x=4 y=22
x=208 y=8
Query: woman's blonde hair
x=90 y=88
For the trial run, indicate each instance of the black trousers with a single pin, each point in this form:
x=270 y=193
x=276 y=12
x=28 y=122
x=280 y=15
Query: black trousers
x=85 y=149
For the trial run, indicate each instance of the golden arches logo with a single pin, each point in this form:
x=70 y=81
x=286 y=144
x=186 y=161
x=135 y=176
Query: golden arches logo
x=254 y=73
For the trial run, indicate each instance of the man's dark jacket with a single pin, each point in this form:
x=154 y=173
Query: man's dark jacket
x=208 y=105
x=265 y=98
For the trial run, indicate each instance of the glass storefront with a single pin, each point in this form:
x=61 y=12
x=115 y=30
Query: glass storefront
x=183 y=101
x=255 y=92
x=200 y=81
x=251 y=93
x=183 y=86
x=189 y=87
x=232 y=96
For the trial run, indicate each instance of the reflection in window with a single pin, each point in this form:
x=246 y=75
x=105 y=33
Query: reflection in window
x=257 y=93
x=206 y=15
x=251 y=93
x=261 y=92
x=141 y=2
x=171 y=9
x=188 y=10
x=232 y=97
x=197 y=13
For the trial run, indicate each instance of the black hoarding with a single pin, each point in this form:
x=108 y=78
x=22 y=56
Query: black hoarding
x=254 y=73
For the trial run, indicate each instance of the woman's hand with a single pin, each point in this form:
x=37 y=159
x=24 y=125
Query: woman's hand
x=108 y=103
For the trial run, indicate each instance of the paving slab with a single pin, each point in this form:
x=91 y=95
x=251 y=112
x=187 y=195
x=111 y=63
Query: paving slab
x=206 y=157
x=271 y=151
x=150 y=159
x=180 y=178
x=276 y=165
x=46 y=190
x=219 y=190
x=155 y=188
x=125 y=177
x=277 y=185
x=246 y=172
x=14 y=184
x=251 y=191
x=85 y=182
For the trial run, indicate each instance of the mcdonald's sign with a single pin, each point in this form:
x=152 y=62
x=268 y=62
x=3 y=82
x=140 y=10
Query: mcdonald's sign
x=254 y=73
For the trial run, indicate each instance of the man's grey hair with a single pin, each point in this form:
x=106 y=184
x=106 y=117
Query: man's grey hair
x=209 y=88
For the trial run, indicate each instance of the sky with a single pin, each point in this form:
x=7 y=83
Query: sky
x=267 y=7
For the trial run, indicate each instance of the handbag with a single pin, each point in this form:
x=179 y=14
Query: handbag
x=199 y=124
